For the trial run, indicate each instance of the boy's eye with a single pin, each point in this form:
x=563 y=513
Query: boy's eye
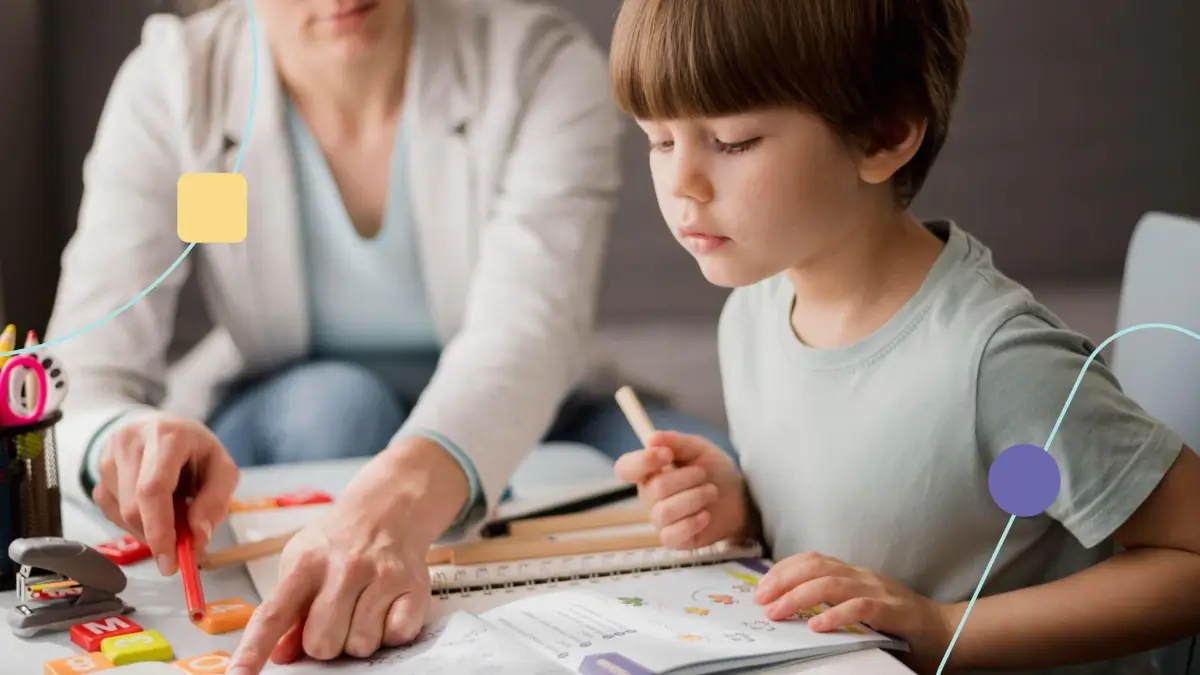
x=740 y=146
x=661 y=145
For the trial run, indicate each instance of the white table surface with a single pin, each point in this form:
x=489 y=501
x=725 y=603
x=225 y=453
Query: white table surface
x=160 y=605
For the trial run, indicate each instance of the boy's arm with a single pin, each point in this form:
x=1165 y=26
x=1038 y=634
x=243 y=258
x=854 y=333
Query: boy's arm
x=1140 y=599
x=1124 y=477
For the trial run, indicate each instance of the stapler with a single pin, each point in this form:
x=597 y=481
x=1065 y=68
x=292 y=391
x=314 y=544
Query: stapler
x=97 y=579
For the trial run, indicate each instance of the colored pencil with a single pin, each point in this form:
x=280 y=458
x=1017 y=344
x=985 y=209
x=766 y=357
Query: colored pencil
x=8 y=342
x=185 y=553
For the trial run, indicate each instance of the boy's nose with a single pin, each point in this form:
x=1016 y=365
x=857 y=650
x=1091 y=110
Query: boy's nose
x=690 y=180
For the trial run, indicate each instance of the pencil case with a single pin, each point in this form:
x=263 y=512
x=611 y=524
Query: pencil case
x=30 y=495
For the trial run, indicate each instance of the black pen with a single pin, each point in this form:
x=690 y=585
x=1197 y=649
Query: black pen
x=500 y=527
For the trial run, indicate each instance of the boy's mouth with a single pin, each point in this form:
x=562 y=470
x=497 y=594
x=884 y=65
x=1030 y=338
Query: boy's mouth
x=699 y=243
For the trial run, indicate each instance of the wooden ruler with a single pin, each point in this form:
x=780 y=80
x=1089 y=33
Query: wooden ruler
x=527 y=541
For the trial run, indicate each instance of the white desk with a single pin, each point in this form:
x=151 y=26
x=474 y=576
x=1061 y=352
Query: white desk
x=160 y=605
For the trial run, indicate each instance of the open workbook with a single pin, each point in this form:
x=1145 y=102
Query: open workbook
x=630 y=612
x=677 y=621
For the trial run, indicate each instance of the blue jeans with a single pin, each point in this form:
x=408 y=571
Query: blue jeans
x=336 y=409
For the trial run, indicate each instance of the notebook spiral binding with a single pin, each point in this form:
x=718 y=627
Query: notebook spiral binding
x=521 y=576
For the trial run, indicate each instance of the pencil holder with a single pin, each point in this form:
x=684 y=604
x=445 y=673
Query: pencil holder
x=30 y=498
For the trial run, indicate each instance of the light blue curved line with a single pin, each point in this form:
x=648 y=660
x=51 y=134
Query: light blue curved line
x=1053 y=432
x=237 y=163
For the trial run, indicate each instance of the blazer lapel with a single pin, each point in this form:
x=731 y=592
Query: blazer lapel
x=270 y=301
x=439 y=120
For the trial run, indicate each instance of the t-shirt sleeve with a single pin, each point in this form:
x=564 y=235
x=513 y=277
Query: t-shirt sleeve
x=1111 y=453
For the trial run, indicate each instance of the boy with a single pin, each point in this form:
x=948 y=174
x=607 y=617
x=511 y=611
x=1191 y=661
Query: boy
x=876 y=366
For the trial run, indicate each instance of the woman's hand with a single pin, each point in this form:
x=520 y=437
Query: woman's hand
x=692 y=488
x=856 y=595
x=356 y=580
x=140 y=471
x=348 y=584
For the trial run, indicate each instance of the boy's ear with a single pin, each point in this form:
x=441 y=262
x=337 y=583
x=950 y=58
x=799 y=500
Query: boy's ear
x=880 y=164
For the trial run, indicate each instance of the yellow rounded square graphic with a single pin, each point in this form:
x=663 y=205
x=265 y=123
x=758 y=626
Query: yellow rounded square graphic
x=211 y=208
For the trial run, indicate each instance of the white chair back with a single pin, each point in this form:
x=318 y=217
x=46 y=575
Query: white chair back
x=1159 y=367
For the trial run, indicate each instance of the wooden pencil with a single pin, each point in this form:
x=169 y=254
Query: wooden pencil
x=588 y=520
x=635 y=412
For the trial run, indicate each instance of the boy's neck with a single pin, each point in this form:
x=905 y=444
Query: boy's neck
x=848 y=293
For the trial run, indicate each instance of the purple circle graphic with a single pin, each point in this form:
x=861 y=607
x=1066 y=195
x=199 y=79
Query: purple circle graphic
x=1024 y=480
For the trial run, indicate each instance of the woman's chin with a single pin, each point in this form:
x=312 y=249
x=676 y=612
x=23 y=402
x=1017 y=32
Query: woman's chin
x=351 y=49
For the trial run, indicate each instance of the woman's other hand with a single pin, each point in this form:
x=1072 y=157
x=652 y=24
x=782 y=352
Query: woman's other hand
x=140 y=471
x=356 y=580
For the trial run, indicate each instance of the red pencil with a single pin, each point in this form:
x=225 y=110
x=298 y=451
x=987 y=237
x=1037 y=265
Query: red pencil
x=185 y=552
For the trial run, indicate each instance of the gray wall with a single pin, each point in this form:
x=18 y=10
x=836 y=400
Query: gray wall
x=28 y=241
x=1076 y=117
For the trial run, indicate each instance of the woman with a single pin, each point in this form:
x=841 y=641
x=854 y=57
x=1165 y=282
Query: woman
x=429 y=187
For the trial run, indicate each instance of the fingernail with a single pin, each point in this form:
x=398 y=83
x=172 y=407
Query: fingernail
x=206 y=528
x=664 y=455
x=238 y=670
x=164 y=564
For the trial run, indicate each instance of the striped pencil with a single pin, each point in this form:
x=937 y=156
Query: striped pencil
x=31 y=341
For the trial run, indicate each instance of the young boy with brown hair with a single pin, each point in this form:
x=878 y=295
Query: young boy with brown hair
x=881 y=376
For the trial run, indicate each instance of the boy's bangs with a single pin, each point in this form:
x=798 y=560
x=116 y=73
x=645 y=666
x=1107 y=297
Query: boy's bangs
x=674 y=59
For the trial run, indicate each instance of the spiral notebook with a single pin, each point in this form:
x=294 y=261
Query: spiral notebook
x=473 y=580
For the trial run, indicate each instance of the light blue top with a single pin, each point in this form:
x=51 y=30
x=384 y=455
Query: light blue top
x=366 y=296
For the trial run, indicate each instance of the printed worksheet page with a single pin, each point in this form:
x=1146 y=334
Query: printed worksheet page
x=458 y=644
x=669 y=621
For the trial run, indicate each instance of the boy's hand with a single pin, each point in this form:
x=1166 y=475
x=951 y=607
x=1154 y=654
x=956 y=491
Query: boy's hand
x=857 y=595
x=692 y=489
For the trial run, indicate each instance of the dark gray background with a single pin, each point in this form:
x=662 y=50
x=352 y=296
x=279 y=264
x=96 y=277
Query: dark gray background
x=1076 y=117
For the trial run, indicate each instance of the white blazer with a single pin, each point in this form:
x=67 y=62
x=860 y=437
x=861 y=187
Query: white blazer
x=515 y=169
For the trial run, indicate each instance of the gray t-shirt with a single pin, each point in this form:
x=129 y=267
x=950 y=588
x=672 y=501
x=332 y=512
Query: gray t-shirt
x=878 y=453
